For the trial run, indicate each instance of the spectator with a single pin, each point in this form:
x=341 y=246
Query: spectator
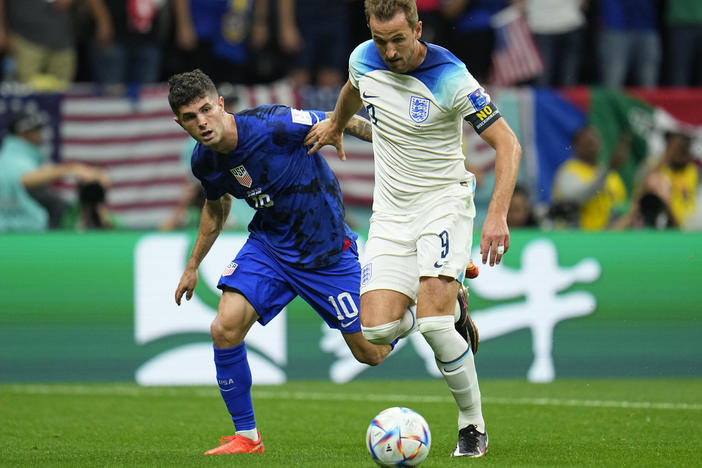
x=39 y=34
x=629 y=44
x=472 y=38
x=316 y=34
x=683 y=21
x=650 y=208
x=586 y=190
x=22 y=168
x=520 y=214
x=229 y=40
x=558 y=28
x=127 y=49
x=678 y=169
x=435 y=28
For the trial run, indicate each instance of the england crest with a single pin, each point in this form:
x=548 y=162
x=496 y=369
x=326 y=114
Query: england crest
x=419 y=108
x=242 y=176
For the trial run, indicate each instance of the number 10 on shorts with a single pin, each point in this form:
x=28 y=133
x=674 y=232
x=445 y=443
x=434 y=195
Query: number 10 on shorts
x=344 y=306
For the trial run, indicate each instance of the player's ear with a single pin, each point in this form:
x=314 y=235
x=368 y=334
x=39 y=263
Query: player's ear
x=176 y=120
x=221 y=102
x=418 y=30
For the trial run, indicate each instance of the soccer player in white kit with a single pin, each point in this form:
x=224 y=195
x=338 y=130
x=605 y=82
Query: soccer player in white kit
x=417 y=96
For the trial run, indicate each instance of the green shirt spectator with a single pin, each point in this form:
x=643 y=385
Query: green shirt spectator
x=22 y=168
x=18 y=209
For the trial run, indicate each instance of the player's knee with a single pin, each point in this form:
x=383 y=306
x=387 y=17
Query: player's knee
x=223 y=335
x=381 y=334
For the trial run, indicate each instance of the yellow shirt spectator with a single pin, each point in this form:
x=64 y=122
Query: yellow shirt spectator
x=595 y=211
x=593 y=188
x=683 y=187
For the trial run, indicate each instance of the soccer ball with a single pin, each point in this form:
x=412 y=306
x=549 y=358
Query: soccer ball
x=398 y=437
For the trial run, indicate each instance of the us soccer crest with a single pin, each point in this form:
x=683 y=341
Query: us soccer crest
x=419 y=109
x=242 y=176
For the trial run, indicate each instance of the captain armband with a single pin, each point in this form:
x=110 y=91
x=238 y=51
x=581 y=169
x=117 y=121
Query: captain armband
x=483 y=118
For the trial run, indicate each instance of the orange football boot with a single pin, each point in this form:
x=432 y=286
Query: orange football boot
x=237 y=444
x=472 y=270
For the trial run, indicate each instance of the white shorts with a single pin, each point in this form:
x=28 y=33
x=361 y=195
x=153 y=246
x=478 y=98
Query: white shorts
x=435 y=241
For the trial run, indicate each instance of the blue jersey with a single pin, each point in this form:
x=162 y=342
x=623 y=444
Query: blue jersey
x=299 y=210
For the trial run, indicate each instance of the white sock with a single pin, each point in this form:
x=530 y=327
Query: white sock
x=455 y=362
x=251 y=434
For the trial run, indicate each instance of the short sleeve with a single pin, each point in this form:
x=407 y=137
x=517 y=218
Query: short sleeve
x=298 y=122
x=477 y=108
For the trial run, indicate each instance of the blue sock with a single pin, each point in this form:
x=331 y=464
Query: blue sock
x=234 y=380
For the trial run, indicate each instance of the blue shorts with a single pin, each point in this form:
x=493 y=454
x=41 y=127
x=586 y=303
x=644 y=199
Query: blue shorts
x=269 y=285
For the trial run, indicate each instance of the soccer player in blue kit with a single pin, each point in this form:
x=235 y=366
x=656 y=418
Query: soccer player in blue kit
x=299 y=243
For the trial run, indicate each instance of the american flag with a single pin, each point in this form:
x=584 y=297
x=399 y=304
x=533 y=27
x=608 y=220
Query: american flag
x=515 y=58
x=140 y=146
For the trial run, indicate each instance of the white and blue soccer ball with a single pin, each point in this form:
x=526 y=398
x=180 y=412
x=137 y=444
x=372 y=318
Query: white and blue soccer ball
x=398 y=437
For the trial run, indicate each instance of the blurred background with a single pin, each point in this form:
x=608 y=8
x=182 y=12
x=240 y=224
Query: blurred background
x=98 y=208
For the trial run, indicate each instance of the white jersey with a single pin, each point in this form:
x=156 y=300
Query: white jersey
x=417 y=122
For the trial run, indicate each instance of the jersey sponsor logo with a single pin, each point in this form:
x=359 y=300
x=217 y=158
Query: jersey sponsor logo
x=242 y=176
x=230 y=269
x=419 y=108
x=478 y=99
x=368 y=96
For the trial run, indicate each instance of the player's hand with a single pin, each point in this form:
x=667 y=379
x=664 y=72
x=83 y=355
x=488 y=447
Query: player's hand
x=88 y=174
x=494 y=239
x=324 y=133
x=186 y=285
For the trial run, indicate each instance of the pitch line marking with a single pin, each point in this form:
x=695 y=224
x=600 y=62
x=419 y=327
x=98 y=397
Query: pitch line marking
x=265 y=394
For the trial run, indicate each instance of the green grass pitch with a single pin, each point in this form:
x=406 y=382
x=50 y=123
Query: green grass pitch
x=617 y=423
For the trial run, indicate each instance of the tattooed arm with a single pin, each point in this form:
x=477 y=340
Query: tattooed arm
x=358 y=127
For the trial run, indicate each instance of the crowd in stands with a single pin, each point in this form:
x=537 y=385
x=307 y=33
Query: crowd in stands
x=118 y=44
x=610 y=42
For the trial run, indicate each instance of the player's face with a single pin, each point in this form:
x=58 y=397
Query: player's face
x=204 y=119
x=518 y=213
x=397 y=42
x=588 y=145
x=679 y=150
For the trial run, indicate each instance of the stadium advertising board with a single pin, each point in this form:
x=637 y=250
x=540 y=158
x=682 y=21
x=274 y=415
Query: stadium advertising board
x=100 y=307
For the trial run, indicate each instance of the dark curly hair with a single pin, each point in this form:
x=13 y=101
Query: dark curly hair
x=184 y=88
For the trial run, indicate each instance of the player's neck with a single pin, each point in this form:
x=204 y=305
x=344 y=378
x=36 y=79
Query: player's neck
x=230 y=137
x=420 y=53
